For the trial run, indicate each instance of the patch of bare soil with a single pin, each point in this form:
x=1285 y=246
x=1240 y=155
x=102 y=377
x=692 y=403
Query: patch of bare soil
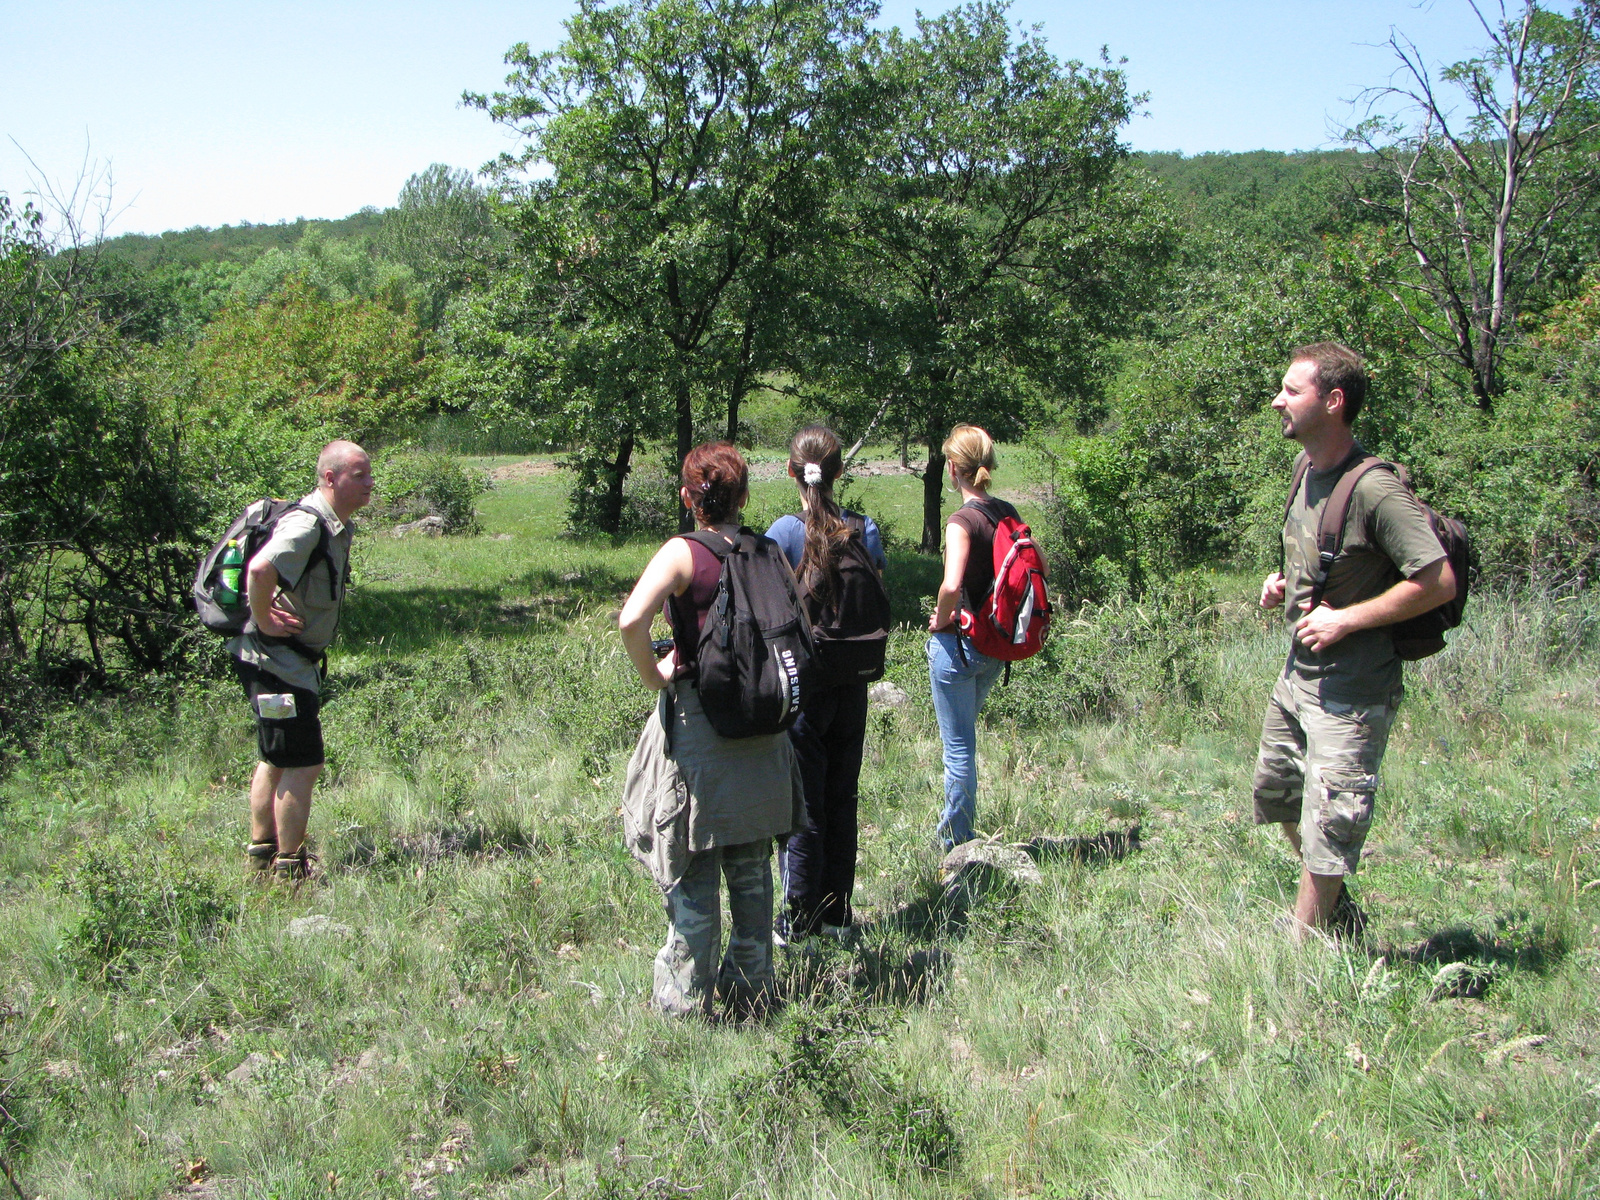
x=513 y=472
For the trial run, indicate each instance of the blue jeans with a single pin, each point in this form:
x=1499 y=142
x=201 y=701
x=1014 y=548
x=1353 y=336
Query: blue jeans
x=959 y=690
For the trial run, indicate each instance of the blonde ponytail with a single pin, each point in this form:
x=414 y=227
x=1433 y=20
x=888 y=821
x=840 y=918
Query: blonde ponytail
x=971 y=450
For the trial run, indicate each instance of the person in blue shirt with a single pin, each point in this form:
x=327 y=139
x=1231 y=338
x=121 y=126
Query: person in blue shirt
x=817 y=863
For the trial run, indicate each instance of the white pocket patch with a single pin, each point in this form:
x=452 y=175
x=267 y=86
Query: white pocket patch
x=275 y=706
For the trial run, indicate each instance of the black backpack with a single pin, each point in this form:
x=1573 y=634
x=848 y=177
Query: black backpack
x=253 y=529
x=851 y=625
x=754 y=659
x=1419 y=636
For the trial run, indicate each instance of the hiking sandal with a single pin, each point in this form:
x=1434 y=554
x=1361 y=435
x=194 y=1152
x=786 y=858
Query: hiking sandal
x=260 y=855
x=294 y=867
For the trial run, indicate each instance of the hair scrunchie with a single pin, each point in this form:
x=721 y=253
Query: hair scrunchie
x=812 y=474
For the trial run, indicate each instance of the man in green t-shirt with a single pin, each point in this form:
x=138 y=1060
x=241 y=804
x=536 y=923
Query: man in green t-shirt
x=295 y=585
x=1329 y=715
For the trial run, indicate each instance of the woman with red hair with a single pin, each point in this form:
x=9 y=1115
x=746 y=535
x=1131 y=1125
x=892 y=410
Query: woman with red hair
x=742 y=792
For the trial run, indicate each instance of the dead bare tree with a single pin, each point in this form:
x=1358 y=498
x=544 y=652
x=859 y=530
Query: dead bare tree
x=1479 y=185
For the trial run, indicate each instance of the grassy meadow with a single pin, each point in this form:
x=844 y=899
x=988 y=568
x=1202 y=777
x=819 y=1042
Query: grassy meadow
x=457 y=1007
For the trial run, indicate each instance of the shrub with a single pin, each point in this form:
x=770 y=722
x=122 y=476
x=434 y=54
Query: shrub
x=138 y=909
x=414 y=485
x=340 y=368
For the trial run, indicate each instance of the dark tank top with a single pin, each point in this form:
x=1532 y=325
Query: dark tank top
x=687 y=613
x=980 y=523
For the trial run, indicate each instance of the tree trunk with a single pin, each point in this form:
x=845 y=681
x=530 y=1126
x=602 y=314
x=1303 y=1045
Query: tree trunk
x=1482 y=393
x=685 y=444
x=611 y=514
x=932 y=498
x=733 y=414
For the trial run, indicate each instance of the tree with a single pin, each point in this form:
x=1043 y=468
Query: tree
x=994 y=244
x=348 y=368
x=109 y=477
x=1479 y=202
x=693 y=145
x=443 y=229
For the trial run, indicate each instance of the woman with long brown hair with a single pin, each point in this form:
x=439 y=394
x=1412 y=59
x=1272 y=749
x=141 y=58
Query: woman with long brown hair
x=741 y=791
x=817 y=862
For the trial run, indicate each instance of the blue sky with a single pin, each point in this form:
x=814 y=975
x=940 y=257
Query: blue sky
x=216 y=112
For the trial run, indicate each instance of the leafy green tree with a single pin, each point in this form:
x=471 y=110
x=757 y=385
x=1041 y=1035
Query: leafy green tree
x=995 y=246
x=336 y=269
x=1479 y=204
x=110 y=477
x=344 y=368
x=443 y=229
x=692 y=146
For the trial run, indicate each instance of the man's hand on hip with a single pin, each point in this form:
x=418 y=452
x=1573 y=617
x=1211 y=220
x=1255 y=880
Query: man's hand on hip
x=278 y=620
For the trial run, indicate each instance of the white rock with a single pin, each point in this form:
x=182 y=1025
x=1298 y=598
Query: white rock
x=886 y=694
x=428 y=526
x=1014 y=862
x=246 y=1070
x=314 y=924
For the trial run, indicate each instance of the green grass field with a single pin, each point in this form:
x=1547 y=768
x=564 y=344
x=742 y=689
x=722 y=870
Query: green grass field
x=458 y=1006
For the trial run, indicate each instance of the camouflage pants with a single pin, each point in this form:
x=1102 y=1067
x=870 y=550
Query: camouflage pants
x=685 y=965
x=1317 y=768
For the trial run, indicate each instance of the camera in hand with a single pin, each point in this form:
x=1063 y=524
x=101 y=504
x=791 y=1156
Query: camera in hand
x=662 y=647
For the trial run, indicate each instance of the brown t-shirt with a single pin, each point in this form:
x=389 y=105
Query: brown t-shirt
x=1387 y=538
x=980 y=525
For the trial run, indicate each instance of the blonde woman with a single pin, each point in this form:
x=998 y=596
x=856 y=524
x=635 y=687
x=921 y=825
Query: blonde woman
x=960 y=676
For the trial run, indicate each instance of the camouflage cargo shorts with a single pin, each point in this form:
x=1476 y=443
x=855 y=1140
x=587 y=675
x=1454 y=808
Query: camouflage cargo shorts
x=1318 y=768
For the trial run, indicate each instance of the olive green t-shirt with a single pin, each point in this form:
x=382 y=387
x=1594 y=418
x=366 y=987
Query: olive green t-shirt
x=1387 y=538
x=315 y=596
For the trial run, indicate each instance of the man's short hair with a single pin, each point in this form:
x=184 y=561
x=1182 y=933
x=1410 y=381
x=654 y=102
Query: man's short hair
x=1337 y=366
x=336 y=457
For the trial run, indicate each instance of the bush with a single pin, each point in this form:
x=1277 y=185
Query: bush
x=649 y=496
x=139 y=908
x=414 y=485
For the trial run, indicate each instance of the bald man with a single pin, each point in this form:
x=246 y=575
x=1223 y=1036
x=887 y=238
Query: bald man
x=296 y=585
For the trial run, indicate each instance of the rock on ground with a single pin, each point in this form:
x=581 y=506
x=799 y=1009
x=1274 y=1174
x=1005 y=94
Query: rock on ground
x=1014 y=861
x=886 y=695
x=428 y=526
x=314 y=924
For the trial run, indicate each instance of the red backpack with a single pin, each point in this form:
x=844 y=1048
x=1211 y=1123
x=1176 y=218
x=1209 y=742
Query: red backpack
x=1013 y=617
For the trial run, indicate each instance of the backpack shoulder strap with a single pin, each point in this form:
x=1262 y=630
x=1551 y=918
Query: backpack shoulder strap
x=995 y=509
x=712 y=541
x=323 y=550
x=1335 y=514
x=1302 y=464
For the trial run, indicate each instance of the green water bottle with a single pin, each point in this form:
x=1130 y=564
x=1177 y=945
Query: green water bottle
x=228 y=580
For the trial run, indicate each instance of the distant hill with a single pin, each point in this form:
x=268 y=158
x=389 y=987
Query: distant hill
x=1254 y=178
x=1253 y=182
x=232 y=243
x=1270 y=194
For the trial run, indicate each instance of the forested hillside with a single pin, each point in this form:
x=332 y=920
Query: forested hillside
x=843 y=242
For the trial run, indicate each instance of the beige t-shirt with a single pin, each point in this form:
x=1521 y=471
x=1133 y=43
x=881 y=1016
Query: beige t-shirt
x=1387 y=538
x=311 y=595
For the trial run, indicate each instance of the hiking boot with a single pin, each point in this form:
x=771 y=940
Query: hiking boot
x=292 y=868
x=260 y=855
x=1347 y=920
